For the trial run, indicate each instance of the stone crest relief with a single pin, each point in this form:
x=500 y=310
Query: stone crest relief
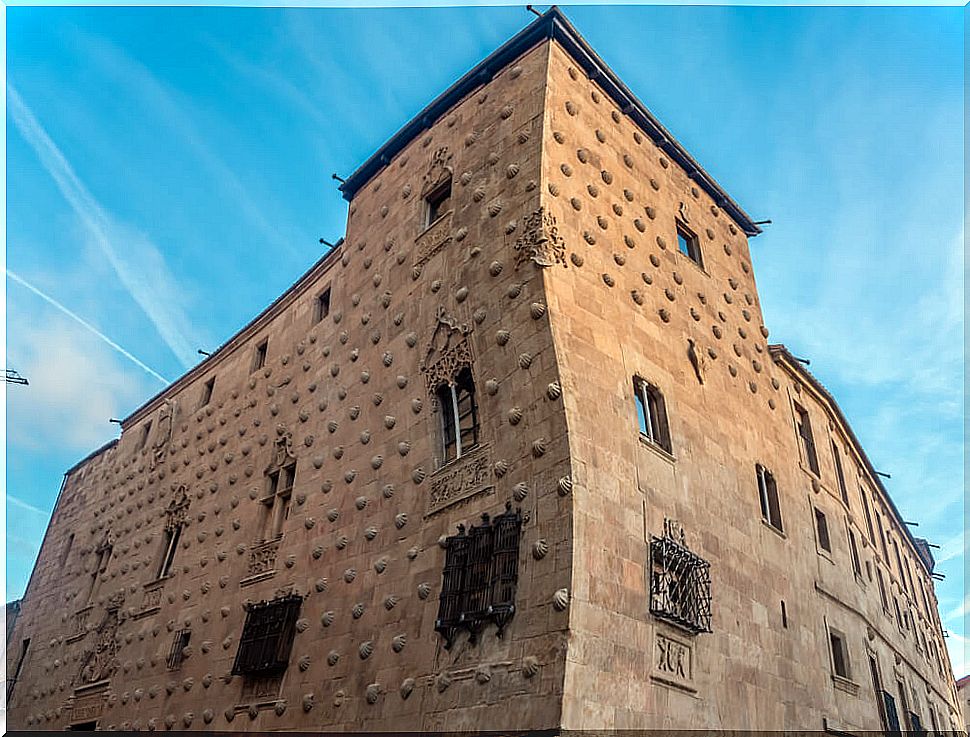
x=673 y=662
x=540 y=241
x=439 y=170
x=282 y=449
x=468 y=476
x=163 y=435
x=101 y=661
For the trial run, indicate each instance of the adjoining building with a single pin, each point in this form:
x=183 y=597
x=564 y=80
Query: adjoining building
x=516 y=454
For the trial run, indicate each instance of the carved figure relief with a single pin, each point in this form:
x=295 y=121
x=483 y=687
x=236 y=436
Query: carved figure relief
x=439 y=170
x=282 y=449
x=696 y=360
x=540 y=241
x=673 y=659
x=175 y=514
x=683 y=212
x=163 y=435
x=448 y=351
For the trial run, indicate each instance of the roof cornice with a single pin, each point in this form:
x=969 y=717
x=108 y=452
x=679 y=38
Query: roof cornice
x=552 y=24
x=783 y=357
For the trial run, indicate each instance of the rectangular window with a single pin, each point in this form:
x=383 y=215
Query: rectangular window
x=11 y=682
x=652 y=413
x=480 y=576
x=680 y=585
x=171 y=541
x=177 y=654
x=840 y=654
x=854 y=552
x=899 y=566
x=459 y=416
x=689 y=244
x=768 y=494
x=259 y=355
x=822 y=528
x=321 y=306
x=207 y=391
x=804 y=426
x=67 y=550
x=146 y=431
x=901 y=689
x=267 y=636
x=892 y=716
x=877 y=690
x=882 y=539
x=868 y=515
x=438 y=202
x=277 y=501
x=882 y=589
x=840 y=477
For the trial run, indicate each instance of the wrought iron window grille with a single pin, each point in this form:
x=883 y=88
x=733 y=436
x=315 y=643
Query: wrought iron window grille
x=680 y=582
x=480 y=576
x=267 y=636
x=177 y=654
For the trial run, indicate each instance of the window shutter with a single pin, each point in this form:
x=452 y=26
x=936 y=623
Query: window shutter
x=267 y=637
x=505 y=567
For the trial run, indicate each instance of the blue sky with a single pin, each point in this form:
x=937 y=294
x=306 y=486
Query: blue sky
x=168 y=175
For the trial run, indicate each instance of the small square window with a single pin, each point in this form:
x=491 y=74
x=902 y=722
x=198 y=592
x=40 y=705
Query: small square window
x=822 y=528
x=689 y=244
x=207 y=391
x=321 y=307
x=651 y=413
x=438 y=201
x=259 y=355
x=840 y=654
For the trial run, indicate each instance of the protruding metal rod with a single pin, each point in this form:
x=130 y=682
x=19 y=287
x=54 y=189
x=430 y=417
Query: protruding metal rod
x=339 y=179
x=762 y=222
x=204 y=353
x=885 y=476
x=13 y=377
x=117 y=422
x=802 y=360
x=325 y=242
x=534 y=11
x=911 y=524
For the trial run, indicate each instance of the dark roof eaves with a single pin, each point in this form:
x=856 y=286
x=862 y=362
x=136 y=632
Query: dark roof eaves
x=550 y=25
x=779 y=349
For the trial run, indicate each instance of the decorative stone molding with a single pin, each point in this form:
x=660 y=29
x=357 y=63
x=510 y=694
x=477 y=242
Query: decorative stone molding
x=262 y=561
x=462 y=479
x=673 y=662
x=540 y=241
x=448 y=351
x=433 y=239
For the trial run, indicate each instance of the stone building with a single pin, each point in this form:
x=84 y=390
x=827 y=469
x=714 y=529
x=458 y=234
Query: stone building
x=515 y=454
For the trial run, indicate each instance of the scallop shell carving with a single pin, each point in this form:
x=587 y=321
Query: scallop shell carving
x=565 y=485
x=366 y=649
x=560 y=600
x=407 y=686
x=333 y=657
x=373 y=693
x=511 y=170
x=380 y=565
x=525 y=360
x=530 y=666
x=538 y=310
x=515 y=416
x=400 y=520
x=520 y=491
x=424 y=590
x=554 y=390
x=398 y=643
x=540 y=549
x=539 y=447
x=495 y=268
x=502 y=337
x=419 y=475
x=370 y=533
x=326 y=619
x=349 y=575
x=443 y=681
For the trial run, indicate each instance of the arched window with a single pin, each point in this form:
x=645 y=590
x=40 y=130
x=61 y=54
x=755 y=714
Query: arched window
x=459 y=416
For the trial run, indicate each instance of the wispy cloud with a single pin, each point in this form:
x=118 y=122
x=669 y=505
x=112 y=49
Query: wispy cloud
x=171 y=110
x=134 y=257
x=24 y=505
x=84 y=323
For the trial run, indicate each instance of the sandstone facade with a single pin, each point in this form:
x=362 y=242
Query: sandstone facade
x=551 y=273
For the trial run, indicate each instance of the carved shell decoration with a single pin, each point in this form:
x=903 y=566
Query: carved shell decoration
x=380 y=565
x=525 y=360
x=539 y=447
x=366 y=649
x=530 y=666
x=390 y=602
x=495 y=268
x=304 y=663
x=565 y=485
x=308 y=701
x=501 y=468
x=398 y=643
x=419 y=475
x=521 y=491
x=302 y=625
x=515 y=416
x=326 y=619
x=538 y=310
x=443 y=681
x=502 y=336
x=400 y=520
x=407 y=686
x=333 y=657
x=539 y=549
x=388 y=491
x=349 y=575
x=321 y=585
x=560 y=600
x=360 y=502
x=491 y=387
x=424 y=590
x=373 y=693
x=554 y=390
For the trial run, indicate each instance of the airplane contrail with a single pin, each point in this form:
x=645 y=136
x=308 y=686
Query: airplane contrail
x=50 y=300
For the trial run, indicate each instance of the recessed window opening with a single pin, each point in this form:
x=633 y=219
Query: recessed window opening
x=651 y=413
